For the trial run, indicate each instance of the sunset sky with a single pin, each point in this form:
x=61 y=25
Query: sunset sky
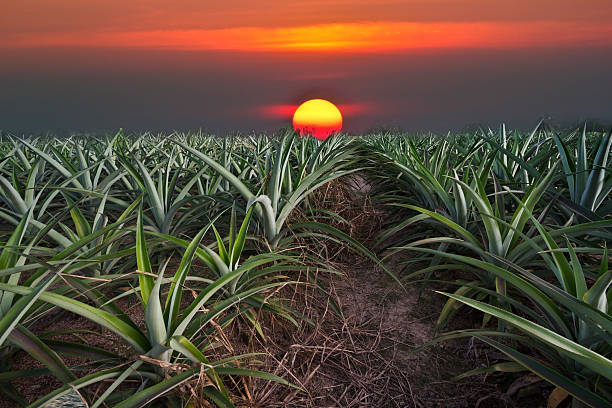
x=238 y=65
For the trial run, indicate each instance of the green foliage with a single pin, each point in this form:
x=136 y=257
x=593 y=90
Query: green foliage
x=496 y=205
x=97 y=220
x=197 y=232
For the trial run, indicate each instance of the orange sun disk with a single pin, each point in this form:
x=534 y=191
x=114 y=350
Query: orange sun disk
x=318 y=118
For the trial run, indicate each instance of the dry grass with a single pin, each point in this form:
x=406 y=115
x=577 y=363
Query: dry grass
x=361 y=356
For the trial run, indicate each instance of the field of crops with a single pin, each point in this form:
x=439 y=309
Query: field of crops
x=143 y=270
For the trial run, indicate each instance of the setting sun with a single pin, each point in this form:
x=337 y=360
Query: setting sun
x=318 y=118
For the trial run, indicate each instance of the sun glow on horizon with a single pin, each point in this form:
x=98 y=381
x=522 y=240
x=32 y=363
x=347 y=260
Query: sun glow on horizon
x=318 y=118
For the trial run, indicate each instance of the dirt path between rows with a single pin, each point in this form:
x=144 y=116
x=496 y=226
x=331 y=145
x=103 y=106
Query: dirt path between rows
x=365 y=357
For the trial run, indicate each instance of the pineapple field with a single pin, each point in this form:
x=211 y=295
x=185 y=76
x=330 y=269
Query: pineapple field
x=383 y=270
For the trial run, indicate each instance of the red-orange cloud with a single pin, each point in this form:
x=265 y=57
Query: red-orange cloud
x=352 y=37
x=47 y=16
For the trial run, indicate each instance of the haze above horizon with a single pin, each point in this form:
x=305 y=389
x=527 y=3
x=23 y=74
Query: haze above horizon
x=238 y=65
